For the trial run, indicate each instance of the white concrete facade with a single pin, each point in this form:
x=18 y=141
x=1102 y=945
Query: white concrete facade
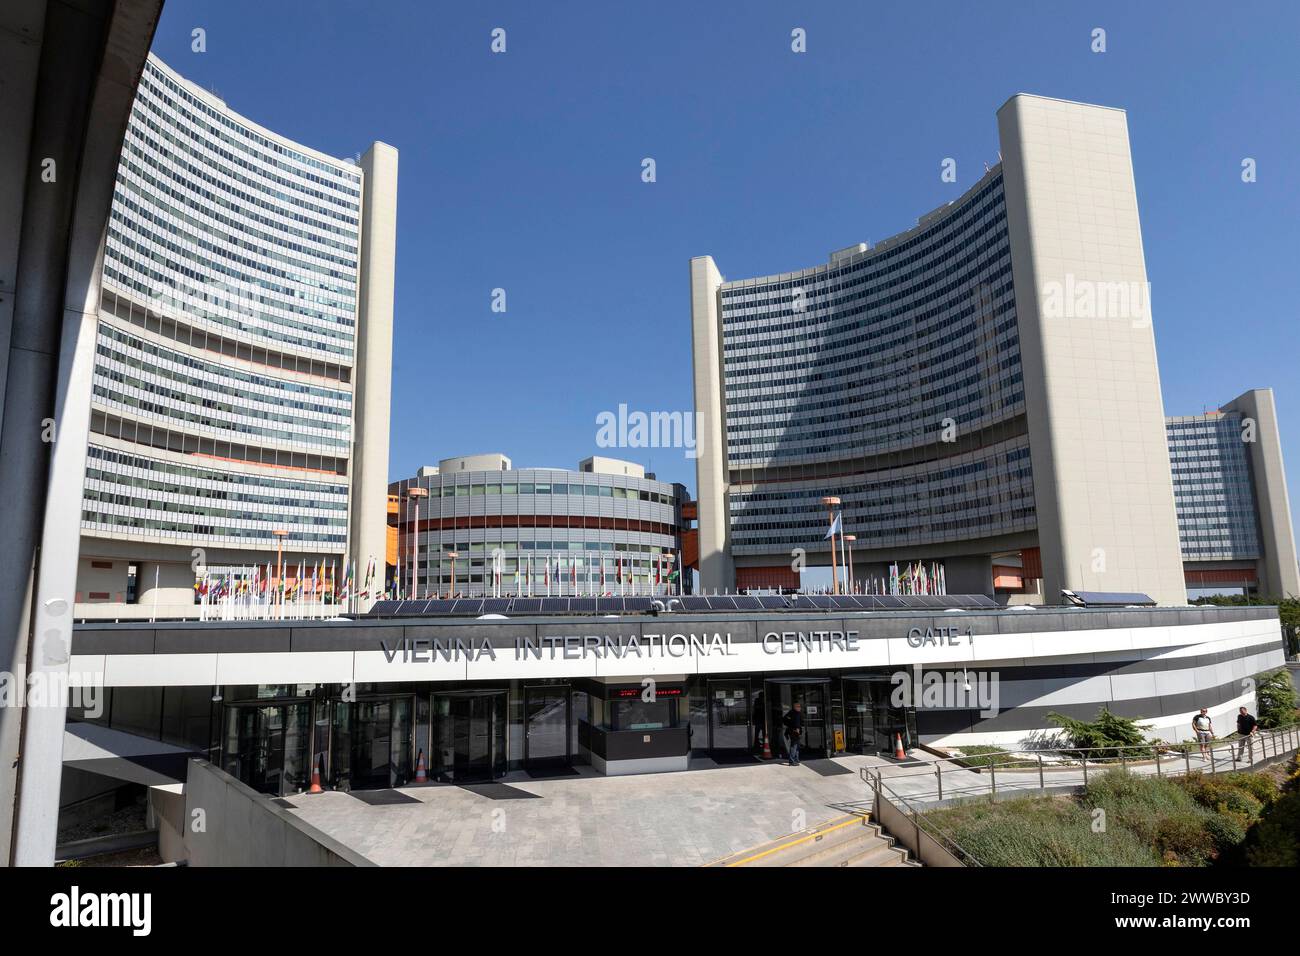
x=1278 y=574
x=1106 y=517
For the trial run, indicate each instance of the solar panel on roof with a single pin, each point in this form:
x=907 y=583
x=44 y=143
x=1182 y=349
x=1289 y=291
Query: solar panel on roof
x=772 y=602
x=721 y=603
x=467 y=606
x=384 y=608
x=525 y=605
x=695 y=603
x=582 y=605
x=439 y=606
x=889 y=602
x=844 y=602
x=746 y=603
x=555 y=605
x=803 y=602
x=496 y=605
x=636 y=604
x=1110 y=598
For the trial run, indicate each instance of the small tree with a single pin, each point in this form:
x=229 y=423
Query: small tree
x=1107 y=731
x=1276 y=698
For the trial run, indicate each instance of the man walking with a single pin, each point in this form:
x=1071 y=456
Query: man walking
x=793 y=723
x=1246 y=727
x=1203 y=727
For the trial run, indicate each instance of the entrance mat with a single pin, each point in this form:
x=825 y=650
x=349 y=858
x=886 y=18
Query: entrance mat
x=499 y=791
x=545 y=773
x=902 y=763
x=825 y=767
x=382 y=798
x=726 y=759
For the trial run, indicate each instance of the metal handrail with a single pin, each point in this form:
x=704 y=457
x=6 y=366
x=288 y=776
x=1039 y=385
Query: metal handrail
x=1283 y=740
x=884 y=792
x=1263 y=745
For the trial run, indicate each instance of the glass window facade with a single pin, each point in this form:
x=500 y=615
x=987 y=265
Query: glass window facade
x=542 y=532
x=222 y=403
x=1213 y=489
x=890 y=378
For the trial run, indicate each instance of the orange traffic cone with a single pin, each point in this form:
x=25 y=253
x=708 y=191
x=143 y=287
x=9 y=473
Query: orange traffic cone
x=420 y=775
x=315 y=777
x=899 y=753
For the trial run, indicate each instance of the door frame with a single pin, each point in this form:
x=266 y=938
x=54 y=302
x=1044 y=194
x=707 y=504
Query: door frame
x=530 y=761
x=823 y=716
x=749 y=712
x=393 y=773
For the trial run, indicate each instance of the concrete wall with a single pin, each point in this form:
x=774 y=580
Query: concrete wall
x=1278 y=575
x=242 y=827
x=1102 y=480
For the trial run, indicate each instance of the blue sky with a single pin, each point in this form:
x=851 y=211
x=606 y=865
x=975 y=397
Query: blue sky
x=523 y=171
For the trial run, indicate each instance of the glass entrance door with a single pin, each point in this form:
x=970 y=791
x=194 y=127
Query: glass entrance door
x=470 y=736
x=546 y=726
x=730 y=730
x=871 y=719
x=381 y=743
x=780 y=698
x=266 y=747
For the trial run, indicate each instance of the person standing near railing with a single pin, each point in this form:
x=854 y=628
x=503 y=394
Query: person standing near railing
x=1203 y=727
x=1247 y=726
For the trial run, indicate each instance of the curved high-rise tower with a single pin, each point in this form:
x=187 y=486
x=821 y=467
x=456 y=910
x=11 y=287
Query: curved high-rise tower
x=242 y=367
x=980 y=390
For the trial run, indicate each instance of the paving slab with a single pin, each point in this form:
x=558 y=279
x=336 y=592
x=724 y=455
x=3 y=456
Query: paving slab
x=687 y=818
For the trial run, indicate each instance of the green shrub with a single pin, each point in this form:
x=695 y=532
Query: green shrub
x=1275 y=839
x=1035 y=831
x=1183 y=838
x=1228 y=833
x=1261 y=786
x=1240 y=803
x=1240 y=794
x=1292 y=782
x=1107 y=731
x=1275 y=697
x=1118 y=791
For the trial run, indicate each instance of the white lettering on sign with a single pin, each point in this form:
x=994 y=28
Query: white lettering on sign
x=937 y=636
x=797 y=642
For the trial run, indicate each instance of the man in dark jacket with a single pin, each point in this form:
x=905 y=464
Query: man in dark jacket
x=793 y=723
x=1246 y=727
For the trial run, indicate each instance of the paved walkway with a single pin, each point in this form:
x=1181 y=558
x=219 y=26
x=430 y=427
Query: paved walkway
x=666 y=819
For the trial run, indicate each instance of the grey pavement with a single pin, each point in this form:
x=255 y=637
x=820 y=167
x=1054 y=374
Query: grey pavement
x=666 y=819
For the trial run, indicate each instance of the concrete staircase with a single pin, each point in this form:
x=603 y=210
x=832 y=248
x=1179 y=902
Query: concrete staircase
x=847 y=841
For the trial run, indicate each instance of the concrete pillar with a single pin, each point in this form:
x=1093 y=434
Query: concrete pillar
x=717 y=571
x=1102 y=480
x=75 y=70
x=372 y=394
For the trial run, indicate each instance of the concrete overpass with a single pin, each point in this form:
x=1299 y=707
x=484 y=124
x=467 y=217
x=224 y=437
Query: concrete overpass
x=68 y=74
